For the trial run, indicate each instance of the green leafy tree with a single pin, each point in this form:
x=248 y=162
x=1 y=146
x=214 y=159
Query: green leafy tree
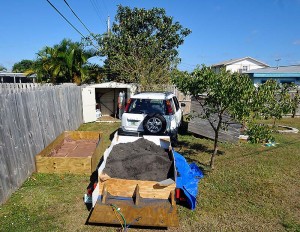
x=2 y=69
x=96 y=73
x=272 y=100
x=218 y=94
x=143 y=46
x=22 y=66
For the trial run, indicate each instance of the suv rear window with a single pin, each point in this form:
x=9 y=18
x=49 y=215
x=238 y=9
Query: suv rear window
x=147 y=106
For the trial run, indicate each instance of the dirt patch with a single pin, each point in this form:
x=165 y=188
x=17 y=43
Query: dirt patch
x=139 y=160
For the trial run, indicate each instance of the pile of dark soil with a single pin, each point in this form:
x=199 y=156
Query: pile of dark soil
x=139 y=160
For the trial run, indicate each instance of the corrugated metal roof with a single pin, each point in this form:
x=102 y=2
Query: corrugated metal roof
x=111 y=84
x=231 y=61
x=280 y=70
x=11 y=74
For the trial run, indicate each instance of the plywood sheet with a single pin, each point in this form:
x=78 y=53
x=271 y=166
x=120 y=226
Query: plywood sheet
x=126 y=188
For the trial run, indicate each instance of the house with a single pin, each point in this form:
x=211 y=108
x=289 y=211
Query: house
x=282 y=74
x=9 y=77
x=241 y=65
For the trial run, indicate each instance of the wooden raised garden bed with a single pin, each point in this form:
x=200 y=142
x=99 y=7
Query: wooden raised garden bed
x=75 y=152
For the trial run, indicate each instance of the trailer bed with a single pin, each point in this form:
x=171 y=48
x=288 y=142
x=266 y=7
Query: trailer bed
x=141 y=202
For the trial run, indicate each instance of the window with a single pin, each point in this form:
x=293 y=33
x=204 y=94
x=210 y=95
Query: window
x=176 y=103
x=245 y=68
x=147 y=106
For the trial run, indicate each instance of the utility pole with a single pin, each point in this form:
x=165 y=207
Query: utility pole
x=277 y=60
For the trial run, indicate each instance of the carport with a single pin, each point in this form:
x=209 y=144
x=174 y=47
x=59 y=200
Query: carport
x=104 y=97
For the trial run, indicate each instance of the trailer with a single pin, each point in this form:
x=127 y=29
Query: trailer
x=135 y=202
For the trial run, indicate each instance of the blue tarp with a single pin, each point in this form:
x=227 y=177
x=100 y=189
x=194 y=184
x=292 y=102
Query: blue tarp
x=188 y=176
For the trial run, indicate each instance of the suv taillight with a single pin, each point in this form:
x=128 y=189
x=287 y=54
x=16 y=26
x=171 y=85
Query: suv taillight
x=169 y=107
x=127 y=105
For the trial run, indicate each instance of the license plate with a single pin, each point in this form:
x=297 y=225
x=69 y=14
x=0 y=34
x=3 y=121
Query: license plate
x=133 y=123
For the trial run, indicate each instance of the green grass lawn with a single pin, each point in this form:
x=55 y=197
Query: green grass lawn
x=253 y=188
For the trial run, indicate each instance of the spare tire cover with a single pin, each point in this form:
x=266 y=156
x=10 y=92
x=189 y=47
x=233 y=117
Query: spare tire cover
x=154 y=124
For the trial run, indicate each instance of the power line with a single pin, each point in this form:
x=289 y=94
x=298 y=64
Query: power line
x=77 y=17
x=105 y=7
x=82 y=36
x=66 y=19
x=97 y=10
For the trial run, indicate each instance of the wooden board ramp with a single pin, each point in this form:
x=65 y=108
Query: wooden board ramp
x=135 y=209
x=202 y=127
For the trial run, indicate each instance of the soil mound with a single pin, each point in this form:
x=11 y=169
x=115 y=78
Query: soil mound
x=139 y=160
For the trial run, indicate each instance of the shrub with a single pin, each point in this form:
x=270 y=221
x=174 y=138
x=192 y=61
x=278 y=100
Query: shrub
x=259 y=133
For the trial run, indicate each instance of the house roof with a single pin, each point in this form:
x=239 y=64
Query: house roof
x=11 y=74
x=281 y=71
x=112 y=84
x=231 y=61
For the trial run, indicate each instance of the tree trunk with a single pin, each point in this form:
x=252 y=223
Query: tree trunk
x=212 y=159
x=293 y=113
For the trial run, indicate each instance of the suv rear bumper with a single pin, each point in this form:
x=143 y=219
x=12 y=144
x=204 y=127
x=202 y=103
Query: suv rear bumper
x=130 y=133
x=121 y=131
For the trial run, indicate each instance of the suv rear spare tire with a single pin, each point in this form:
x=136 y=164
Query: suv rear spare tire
x=154 y=124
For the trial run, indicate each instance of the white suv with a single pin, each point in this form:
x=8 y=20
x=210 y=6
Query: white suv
x=152 y=113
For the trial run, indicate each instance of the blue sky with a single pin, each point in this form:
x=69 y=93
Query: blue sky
x=221 y=29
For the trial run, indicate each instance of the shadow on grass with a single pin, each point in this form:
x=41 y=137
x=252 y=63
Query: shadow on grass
x=188 y=154
x=183 y=129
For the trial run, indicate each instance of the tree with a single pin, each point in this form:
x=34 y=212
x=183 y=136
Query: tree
x=64 y=62
x=22 y=66
x=142 y=47
x=96 y=73
x=2 y=69
x=222 y=93
x=272 y=100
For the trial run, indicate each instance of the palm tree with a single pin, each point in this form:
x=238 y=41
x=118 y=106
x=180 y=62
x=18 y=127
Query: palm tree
x=64 y=62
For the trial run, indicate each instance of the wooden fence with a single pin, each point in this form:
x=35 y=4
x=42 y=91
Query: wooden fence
x=31 y=117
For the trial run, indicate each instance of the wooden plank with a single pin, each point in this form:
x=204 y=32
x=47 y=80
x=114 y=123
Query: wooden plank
x=25 y=146
x=5 y=163
x=99 y=151
x=35 y=128
x=52 y=106
x=149 y=212
x=126 y=188
x=87 y=135
x=16 y=142
x=75 y=165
